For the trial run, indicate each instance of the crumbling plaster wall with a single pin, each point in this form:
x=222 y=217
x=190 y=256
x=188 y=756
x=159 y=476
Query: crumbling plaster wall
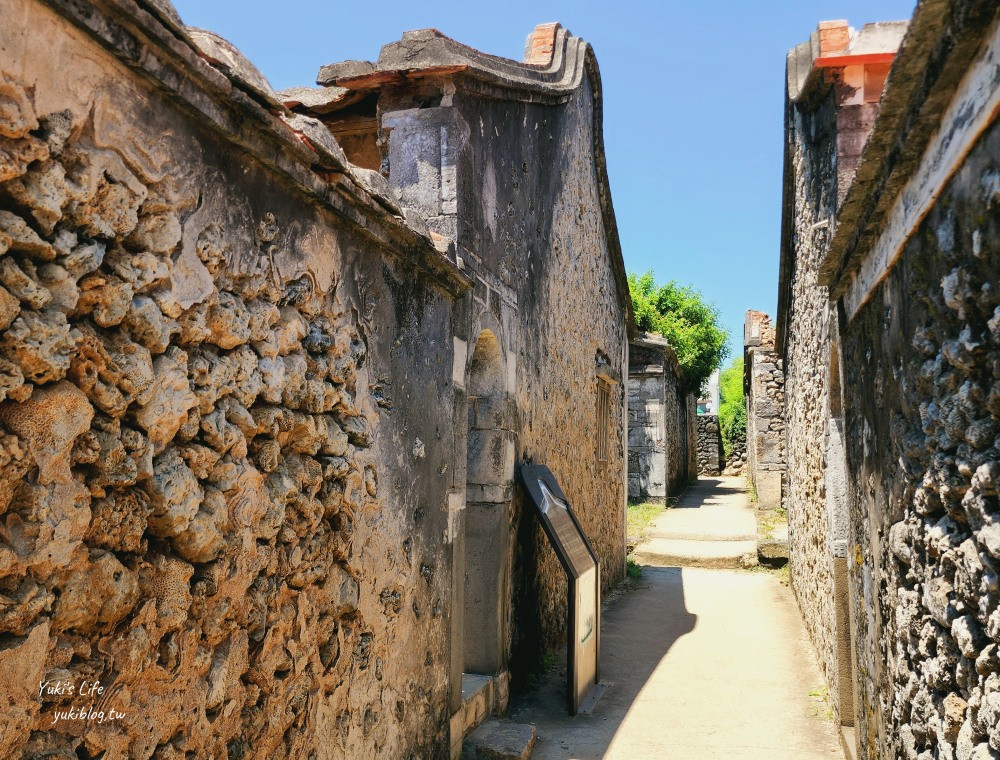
x=682 y=452
x=922 y=423
x=529 y=216
x=811 y=152
x=220 y=489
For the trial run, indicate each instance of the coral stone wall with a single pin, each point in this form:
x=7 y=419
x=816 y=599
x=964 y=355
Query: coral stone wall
x=812 y=144
x=647 y=449
x=736 y=462
x=216 y=397
x=922 y=423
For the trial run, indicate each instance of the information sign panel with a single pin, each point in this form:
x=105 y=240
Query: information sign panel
x=583 y=572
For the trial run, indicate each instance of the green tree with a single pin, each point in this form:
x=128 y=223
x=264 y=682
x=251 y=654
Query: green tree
x=732 y=407
x=682 y=316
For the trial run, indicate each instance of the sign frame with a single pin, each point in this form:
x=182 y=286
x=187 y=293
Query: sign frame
x=583 y=689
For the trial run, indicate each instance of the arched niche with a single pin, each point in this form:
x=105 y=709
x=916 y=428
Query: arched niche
x=486 y=523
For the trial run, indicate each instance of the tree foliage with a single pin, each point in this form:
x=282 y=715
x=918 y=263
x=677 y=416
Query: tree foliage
x=681 y=315
x=732 y=407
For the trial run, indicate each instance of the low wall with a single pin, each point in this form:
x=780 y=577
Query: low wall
x=710 y=457
x=736 y=461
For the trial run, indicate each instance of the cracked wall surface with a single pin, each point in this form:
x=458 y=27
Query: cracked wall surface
x=530 y=216
x=213 y=393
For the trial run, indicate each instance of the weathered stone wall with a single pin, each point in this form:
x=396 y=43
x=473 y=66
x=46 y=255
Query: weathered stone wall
x=901 y=359
x=922 y=424
x=736 y=462
x=539 y=186
x=686 y=452
x=221 y=405
x=812 y=155
x=657 y=424
x=764 y=393
x=709 y=443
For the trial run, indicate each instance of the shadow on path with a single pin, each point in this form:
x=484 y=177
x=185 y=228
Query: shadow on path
x=637 y=630
x=699 y=664
x=709 y=490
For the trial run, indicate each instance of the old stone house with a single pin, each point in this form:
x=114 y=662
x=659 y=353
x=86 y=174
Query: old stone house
x=887 y=326
x=268 y=364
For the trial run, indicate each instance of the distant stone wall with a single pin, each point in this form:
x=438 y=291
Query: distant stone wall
x=647 y=450
x=736 y=461
x=690 y=419
x=710 y=459
x=658 y=425
x=764 y=393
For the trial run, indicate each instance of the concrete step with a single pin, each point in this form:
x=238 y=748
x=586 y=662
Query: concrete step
x=500 y=740
x=670 y=552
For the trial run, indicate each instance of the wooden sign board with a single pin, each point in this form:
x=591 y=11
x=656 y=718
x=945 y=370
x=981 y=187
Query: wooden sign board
x=583 y=571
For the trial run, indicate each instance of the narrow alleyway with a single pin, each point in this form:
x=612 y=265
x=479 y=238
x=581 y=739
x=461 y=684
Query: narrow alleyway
x=698 y=663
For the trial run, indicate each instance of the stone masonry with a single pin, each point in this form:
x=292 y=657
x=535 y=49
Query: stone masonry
x=828 y=111
x=764 y=393
x=887 y=322
x=261 y=405
x=660 y=441
x=710 y=458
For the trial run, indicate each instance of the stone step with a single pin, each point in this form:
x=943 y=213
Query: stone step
x=705 y=523
x=773 y=549
x=500 y=740
x=478 y=703
x=669 y=552
x=695 y=534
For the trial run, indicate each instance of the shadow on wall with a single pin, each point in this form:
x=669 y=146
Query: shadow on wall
x=630 y=654
x=526 y=646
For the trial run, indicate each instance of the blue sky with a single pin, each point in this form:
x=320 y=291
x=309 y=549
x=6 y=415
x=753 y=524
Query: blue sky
x=692 y=114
